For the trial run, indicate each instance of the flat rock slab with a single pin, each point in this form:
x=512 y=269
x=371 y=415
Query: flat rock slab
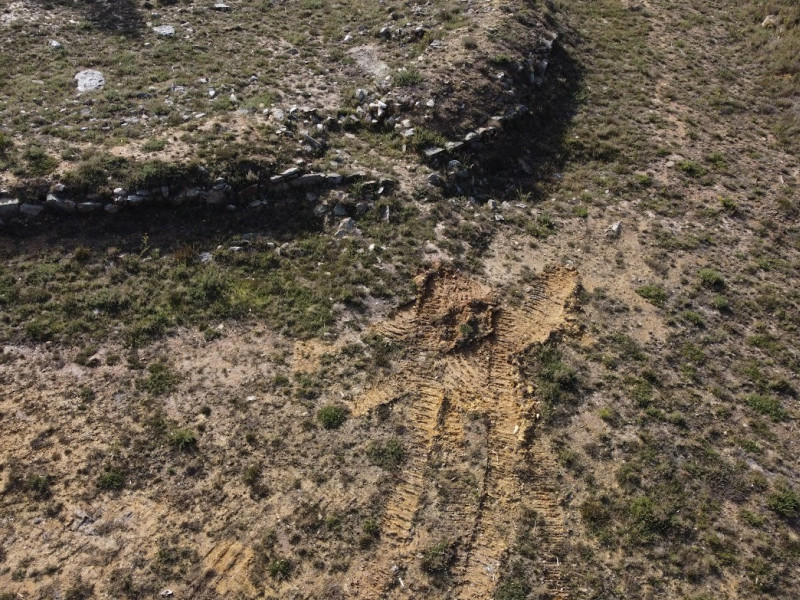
x=164 y=30
x=90 y=80
x=369 y=59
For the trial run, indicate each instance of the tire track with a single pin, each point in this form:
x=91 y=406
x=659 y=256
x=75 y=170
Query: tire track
x=476 y=343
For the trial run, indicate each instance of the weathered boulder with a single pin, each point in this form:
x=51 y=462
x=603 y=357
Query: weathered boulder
x=347 y=228
x=60 y=204
x=90 y=80
x=164 y=30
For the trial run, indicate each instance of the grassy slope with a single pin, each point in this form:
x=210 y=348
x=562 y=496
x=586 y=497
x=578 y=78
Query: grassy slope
x=679 y=456
x=677 y=448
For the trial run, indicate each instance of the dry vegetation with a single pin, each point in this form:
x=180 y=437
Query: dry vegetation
x=485 y=394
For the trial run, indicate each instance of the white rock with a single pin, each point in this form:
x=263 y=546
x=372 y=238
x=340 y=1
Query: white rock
x=164 y=30
x=347 y=227
x=90 y=80
x=60 y=204
x=614 y=230
x=54 y=44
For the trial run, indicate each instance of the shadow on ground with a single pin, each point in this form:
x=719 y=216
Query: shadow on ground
x=531 y=153
x=111 y=16
x=165 y=228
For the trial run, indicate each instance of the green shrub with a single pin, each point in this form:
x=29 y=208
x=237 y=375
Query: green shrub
x=112 y=479
x=541 y=226
x=655 y=294
x=6 y=143
x=513 y=588
x=647 y=518
x=39 y=162
x=785 y=502
x=156 y=173
x=251 y=475
x=160 y=380
x=388 y=456
x=209 y=286
x=729 y=205
x=407 y=78
x=502 y=60
x=711 y=279
x=94 y=173
x=80 y=591
x=281 y=568
x=38 y=485
x=154 y=145
x=721 y=303
x=371 y=528
x=437 y=559
x=182 y=439
x=694 y=318
x=691 y=168
x=766 y=405
x=332 y=416
x=609 y=415
x=425 y=138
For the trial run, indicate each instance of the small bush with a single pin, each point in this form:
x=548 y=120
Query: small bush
x=112 y=479
x=766 y=405
x=407 y=78
x=281 y=569
x=436 y=560
x=154 y=145
x=183 y=439
x=514 y=588
x=785 y=502
x=156 y=173
x=541 y=226
x=79 y=591
x=502 y=60
x=332 y=416
x=93 y=173
x=721 y=303
x=655 y=294
x=159 y=381
x=5 y=143
x=252 y=474
x=694 y=318
x=691 y=168
x=82 y=253
x=38 y=486
x=371 y=528
x=729 y=206
x=709 y=278
x=425 y=138
x=39 y=162
x=388 y=456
